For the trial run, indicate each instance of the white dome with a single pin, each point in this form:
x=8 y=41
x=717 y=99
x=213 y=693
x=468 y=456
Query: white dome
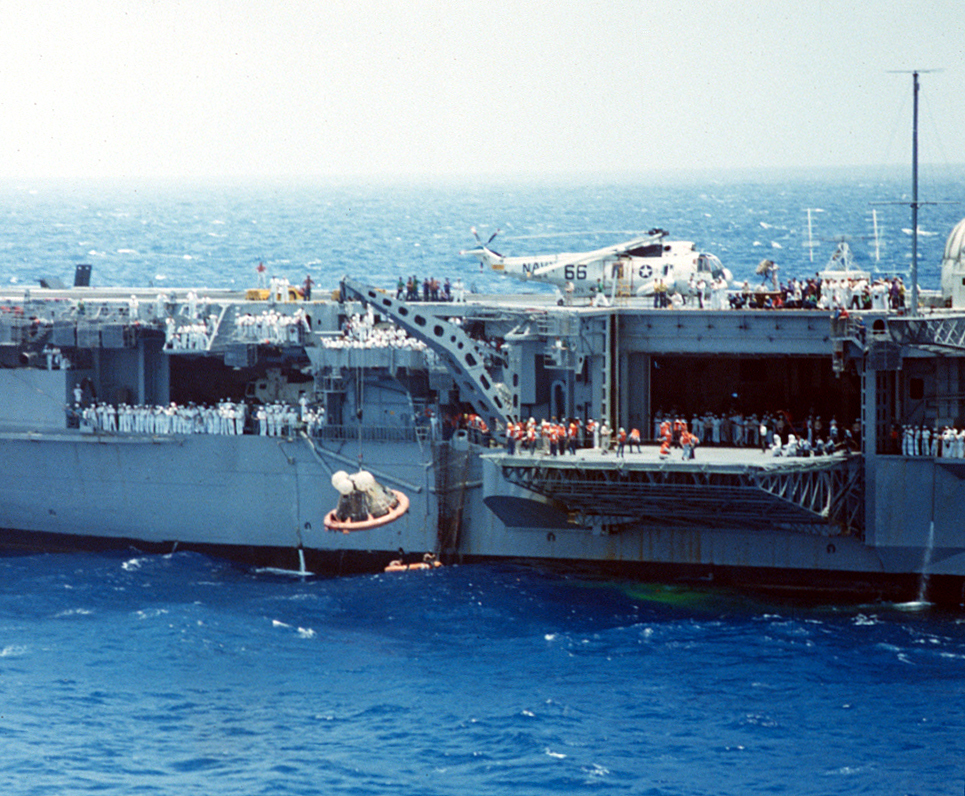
x=953 y=266
x=955 y=245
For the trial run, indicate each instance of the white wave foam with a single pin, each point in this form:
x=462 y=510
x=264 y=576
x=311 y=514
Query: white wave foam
x=151 y=614
x=74 y=612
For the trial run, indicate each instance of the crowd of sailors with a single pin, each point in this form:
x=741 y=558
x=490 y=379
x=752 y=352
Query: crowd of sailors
x=771 y=432
x=362 y=331
x=271 y=327
x=947 y=443
x=814 y=293
x=225 y=417
x=193 y=328
x=431 y=289
x=703 y=293
x=750 y=431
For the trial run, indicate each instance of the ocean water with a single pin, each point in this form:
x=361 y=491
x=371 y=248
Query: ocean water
x=179 y=235
x=181 y=674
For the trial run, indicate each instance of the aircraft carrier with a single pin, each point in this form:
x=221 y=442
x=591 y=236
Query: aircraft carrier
x=426 y=414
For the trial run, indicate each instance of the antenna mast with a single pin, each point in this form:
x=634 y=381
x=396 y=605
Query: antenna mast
x=915 y=204
x=914 y=200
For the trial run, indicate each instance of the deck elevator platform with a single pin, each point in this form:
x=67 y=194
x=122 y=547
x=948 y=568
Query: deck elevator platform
x=722 y=488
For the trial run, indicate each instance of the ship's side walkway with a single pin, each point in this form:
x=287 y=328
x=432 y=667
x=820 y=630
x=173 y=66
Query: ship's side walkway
x=721 y=486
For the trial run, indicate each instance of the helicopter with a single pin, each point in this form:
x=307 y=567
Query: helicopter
x=634 y=267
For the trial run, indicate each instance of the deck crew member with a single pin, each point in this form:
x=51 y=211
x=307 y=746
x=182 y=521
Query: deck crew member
x=593 y=429
x=573 y=433
x=604 y=437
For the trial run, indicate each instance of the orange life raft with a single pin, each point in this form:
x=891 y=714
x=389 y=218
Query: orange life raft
x=426 y=563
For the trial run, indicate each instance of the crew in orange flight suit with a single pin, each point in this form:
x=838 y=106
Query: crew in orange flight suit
x=688 y=442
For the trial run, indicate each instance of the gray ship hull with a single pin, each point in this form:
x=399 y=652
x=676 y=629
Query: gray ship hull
x=868 y=523
x=260 y=500
x=248 y=495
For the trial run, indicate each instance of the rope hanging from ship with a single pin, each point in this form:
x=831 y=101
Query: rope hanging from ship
x=363 y=502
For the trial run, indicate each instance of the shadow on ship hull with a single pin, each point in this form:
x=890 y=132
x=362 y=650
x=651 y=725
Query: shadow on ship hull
x=797 y=586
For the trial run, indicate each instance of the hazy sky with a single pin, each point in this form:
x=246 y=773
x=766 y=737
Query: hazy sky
x=290 y=87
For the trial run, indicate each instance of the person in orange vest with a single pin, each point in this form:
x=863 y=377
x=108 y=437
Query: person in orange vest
x=531 y=438
x=511 y=437
x=573 y=433
x=621 y=441
x=665 y=448
x=634 y=439
x=688 y=442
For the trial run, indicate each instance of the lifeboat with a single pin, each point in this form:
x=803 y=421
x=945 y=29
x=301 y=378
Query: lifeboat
x=363 y=503
x=428 y=561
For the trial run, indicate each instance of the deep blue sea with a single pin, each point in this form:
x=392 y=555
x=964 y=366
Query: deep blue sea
x=180 y=674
